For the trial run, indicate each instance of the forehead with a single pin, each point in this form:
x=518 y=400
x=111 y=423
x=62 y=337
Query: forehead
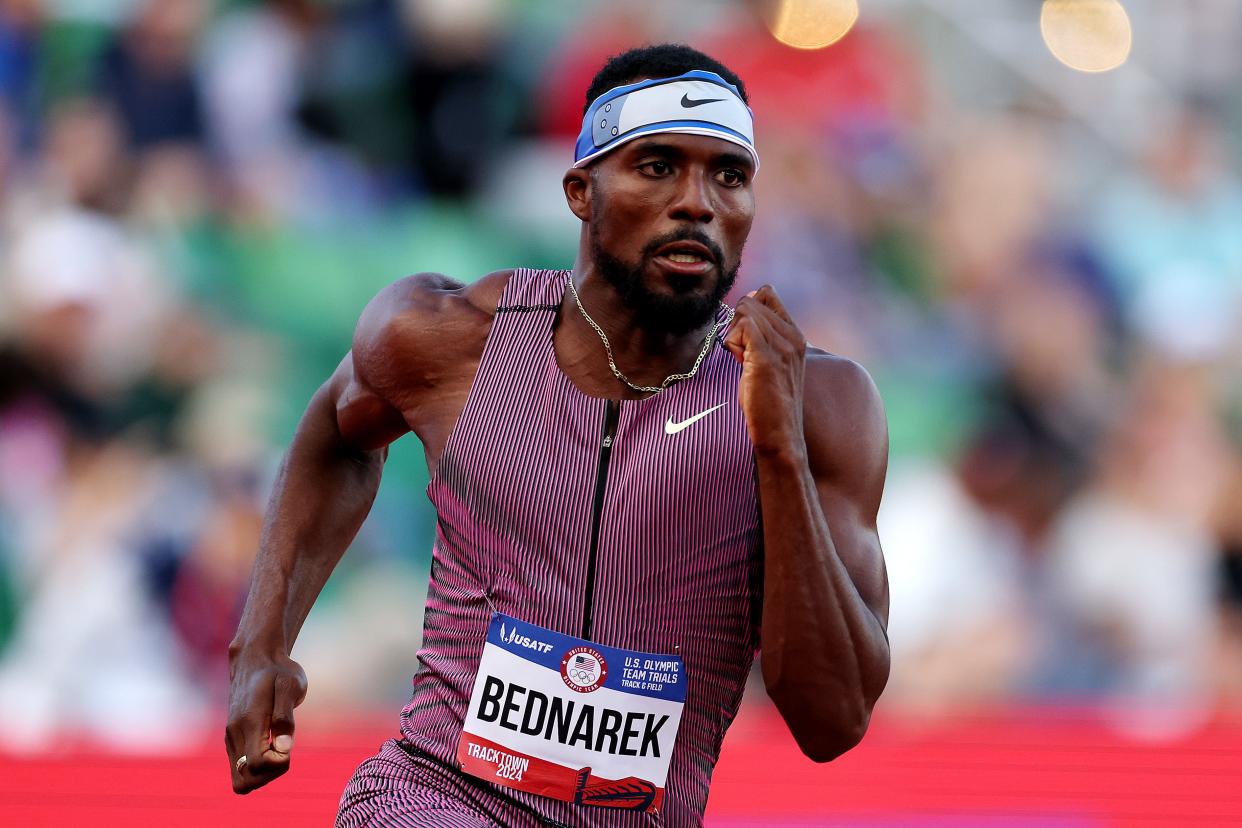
x=704 y=148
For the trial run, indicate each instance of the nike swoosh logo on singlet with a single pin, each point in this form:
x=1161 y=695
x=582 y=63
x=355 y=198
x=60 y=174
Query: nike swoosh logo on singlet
x=671 y=427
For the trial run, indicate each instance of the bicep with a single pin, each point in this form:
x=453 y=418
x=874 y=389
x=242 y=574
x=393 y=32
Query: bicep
x=847 y=442
x=366 y=420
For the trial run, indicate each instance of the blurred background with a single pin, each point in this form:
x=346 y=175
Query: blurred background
x=1040 y=263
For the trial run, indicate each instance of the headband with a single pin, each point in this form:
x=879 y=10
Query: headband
x=697 y=103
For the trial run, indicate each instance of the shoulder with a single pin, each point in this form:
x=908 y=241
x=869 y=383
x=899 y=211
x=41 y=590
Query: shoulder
x=422 y=325
x=845 y=424
x=844 y=385
x=426 y=301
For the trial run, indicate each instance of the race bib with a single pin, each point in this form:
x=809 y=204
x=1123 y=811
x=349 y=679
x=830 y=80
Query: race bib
x=566 y=718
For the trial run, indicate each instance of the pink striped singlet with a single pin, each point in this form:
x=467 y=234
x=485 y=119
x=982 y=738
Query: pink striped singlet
x=586 y=516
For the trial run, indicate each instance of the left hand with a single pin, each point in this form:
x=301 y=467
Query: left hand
x=772 y=351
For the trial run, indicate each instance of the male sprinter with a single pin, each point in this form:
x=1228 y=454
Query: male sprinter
x=636 y=487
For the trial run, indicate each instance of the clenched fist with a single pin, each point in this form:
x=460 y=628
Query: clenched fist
x=772 y=351
x=263 y=690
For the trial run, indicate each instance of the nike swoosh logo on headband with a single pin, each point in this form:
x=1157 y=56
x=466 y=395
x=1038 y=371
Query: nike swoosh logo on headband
x=688 y=102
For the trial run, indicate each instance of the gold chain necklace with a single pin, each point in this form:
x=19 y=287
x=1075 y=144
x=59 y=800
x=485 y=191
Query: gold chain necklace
x=671 y=378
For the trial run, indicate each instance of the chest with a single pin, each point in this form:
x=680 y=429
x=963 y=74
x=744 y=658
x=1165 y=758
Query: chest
x=545 y=455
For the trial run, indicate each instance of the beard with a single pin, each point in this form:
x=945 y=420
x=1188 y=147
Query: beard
x=679 y=314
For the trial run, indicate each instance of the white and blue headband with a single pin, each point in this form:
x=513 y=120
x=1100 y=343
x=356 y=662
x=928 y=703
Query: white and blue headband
x=697 y=103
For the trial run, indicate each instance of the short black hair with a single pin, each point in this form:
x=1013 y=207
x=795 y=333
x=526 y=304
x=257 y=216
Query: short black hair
x=661 y=60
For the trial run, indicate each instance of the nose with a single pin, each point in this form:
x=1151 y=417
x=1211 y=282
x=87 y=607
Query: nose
x=693 y=199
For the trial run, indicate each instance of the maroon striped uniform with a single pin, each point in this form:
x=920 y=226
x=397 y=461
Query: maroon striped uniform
x=589 y=517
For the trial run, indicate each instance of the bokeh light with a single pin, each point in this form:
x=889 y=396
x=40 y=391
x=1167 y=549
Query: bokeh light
x=813 y=24
x=1087 y=35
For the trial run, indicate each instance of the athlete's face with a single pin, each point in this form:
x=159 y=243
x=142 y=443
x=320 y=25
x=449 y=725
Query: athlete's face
x=667 y=219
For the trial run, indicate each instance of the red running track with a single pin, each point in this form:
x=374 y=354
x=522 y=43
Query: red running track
x=1028 y=769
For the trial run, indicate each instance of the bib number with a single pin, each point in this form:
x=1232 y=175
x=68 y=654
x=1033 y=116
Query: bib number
x=570 y=719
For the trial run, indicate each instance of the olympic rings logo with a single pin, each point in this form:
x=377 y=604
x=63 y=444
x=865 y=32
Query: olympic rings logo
x=583 y=669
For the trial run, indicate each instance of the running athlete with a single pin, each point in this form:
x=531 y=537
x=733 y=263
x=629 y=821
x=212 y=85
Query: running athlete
x=636 y=487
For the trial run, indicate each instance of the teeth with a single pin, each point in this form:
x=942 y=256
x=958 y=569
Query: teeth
x=684 y=258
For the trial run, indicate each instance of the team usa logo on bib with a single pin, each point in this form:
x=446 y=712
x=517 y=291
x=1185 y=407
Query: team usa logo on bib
x=571 y=719
x=583 y=669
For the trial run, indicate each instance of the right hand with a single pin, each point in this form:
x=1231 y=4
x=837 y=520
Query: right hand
x=263 y=690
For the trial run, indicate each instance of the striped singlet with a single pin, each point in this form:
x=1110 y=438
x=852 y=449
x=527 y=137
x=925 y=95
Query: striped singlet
x=585 y=516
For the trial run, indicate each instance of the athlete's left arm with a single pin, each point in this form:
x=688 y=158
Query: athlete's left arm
x=821 y=446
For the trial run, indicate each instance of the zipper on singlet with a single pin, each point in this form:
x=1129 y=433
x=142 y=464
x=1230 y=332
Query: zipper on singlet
x=612 y=410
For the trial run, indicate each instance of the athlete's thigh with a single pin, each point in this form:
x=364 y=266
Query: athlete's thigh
x=386 y=792
x=416 y=812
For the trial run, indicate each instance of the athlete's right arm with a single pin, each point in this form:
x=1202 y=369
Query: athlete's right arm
x=323 y=492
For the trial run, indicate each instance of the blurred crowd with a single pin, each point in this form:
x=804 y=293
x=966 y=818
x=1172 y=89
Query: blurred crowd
x=197 y=199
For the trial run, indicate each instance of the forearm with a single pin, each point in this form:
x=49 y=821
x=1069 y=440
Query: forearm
x=322 y=494
x=824 y=652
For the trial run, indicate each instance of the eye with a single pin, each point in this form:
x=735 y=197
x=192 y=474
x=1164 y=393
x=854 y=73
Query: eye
x=657 y=168
x=732 y=177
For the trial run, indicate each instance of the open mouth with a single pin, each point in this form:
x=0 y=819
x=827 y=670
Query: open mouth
x=687 y=251
x=686 y=257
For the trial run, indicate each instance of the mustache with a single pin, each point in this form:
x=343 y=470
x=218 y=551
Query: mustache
x=685 y=234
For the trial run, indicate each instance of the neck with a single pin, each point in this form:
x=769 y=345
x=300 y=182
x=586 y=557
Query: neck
x=646 y=357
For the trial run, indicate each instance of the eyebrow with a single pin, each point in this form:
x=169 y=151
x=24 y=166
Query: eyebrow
x=736 y=159
x=657 y=148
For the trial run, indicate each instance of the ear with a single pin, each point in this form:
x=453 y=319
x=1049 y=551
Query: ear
x=577 y=184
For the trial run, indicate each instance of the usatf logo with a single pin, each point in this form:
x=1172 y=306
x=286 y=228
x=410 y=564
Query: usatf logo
x=510 y=636
x=583 y=669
